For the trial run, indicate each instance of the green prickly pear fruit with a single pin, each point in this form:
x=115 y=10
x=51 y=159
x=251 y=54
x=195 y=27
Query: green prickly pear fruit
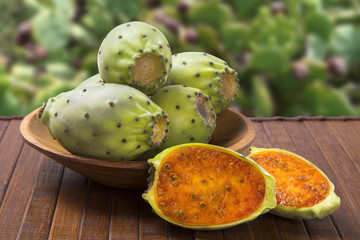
x=136 y=54
x=208 y=73
x=106 y=121
x=190 y=113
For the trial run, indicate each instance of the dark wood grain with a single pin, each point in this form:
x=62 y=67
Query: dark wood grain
x=3 y=126
x=345 y=177
x=242 y=231
x=66 y=221
x=178 y=233
x=124 y=222
x=42 y=199
x=10 y=147
x=349 y=138
x=209 y=235
x=18 y=194
x=96 y=221
x=150 y=225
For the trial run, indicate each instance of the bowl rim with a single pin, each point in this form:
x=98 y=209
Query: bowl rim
x=30 y=139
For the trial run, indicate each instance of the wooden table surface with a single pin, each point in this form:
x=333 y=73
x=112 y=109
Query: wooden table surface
x=41 y=199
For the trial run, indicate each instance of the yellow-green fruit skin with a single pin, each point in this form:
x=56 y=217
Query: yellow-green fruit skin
x=268 y=203
x=203 y=71
x=187 y=125
x=325 y=208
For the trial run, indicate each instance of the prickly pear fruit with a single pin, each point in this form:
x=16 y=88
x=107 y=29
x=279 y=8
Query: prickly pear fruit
x=303 y=190
x=203 y=186
x=208 y=73
x=136 y=54
x=190 y=113
x=106 y=121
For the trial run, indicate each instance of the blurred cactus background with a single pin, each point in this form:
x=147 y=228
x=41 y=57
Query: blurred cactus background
x=294 y=57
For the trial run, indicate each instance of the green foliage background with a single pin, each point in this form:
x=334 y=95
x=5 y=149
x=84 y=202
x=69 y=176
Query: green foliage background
x=294 y=57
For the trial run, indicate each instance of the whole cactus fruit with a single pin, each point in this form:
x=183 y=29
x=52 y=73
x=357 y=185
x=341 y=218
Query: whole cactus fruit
x=208 y=73
x=190 y=113
x=106 y=121
x=136 y=54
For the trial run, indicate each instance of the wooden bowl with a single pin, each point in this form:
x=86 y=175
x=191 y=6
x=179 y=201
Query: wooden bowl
x=233 y=131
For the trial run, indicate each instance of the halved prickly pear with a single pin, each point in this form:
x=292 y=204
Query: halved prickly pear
x=303 y=190
x=203 y=186
x=136 y=54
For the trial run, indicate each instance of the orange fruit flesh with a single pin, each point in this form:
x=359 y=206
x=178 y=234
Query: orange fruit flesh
x=203 y=186
x=298 y=184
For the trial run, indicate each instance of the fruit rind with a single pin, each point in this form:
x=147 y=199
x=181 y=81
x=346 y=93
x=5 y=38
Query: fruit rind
x=320 y=210
x=269 y=201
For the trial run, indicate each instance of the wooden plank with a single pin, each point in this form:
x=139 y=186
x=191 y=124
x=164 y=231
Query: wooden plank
x=208 y=235
x=338 y=160
x=306 y=147
x=18 y=194
x=264 y=227
x=150 y=225
x=178 y=233
x=37 y=221
x=348 y=135
x=242 y=231
x=69 y=208
x=329 y=156
x=96 y=220
x=124 y=222
x=3 y=125
x=10 y=147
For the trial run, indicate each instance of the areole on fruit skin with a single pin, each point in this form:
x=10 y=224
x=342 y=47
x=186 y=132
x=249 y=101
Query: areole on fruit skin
x=320 y=210
x=269 y=200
